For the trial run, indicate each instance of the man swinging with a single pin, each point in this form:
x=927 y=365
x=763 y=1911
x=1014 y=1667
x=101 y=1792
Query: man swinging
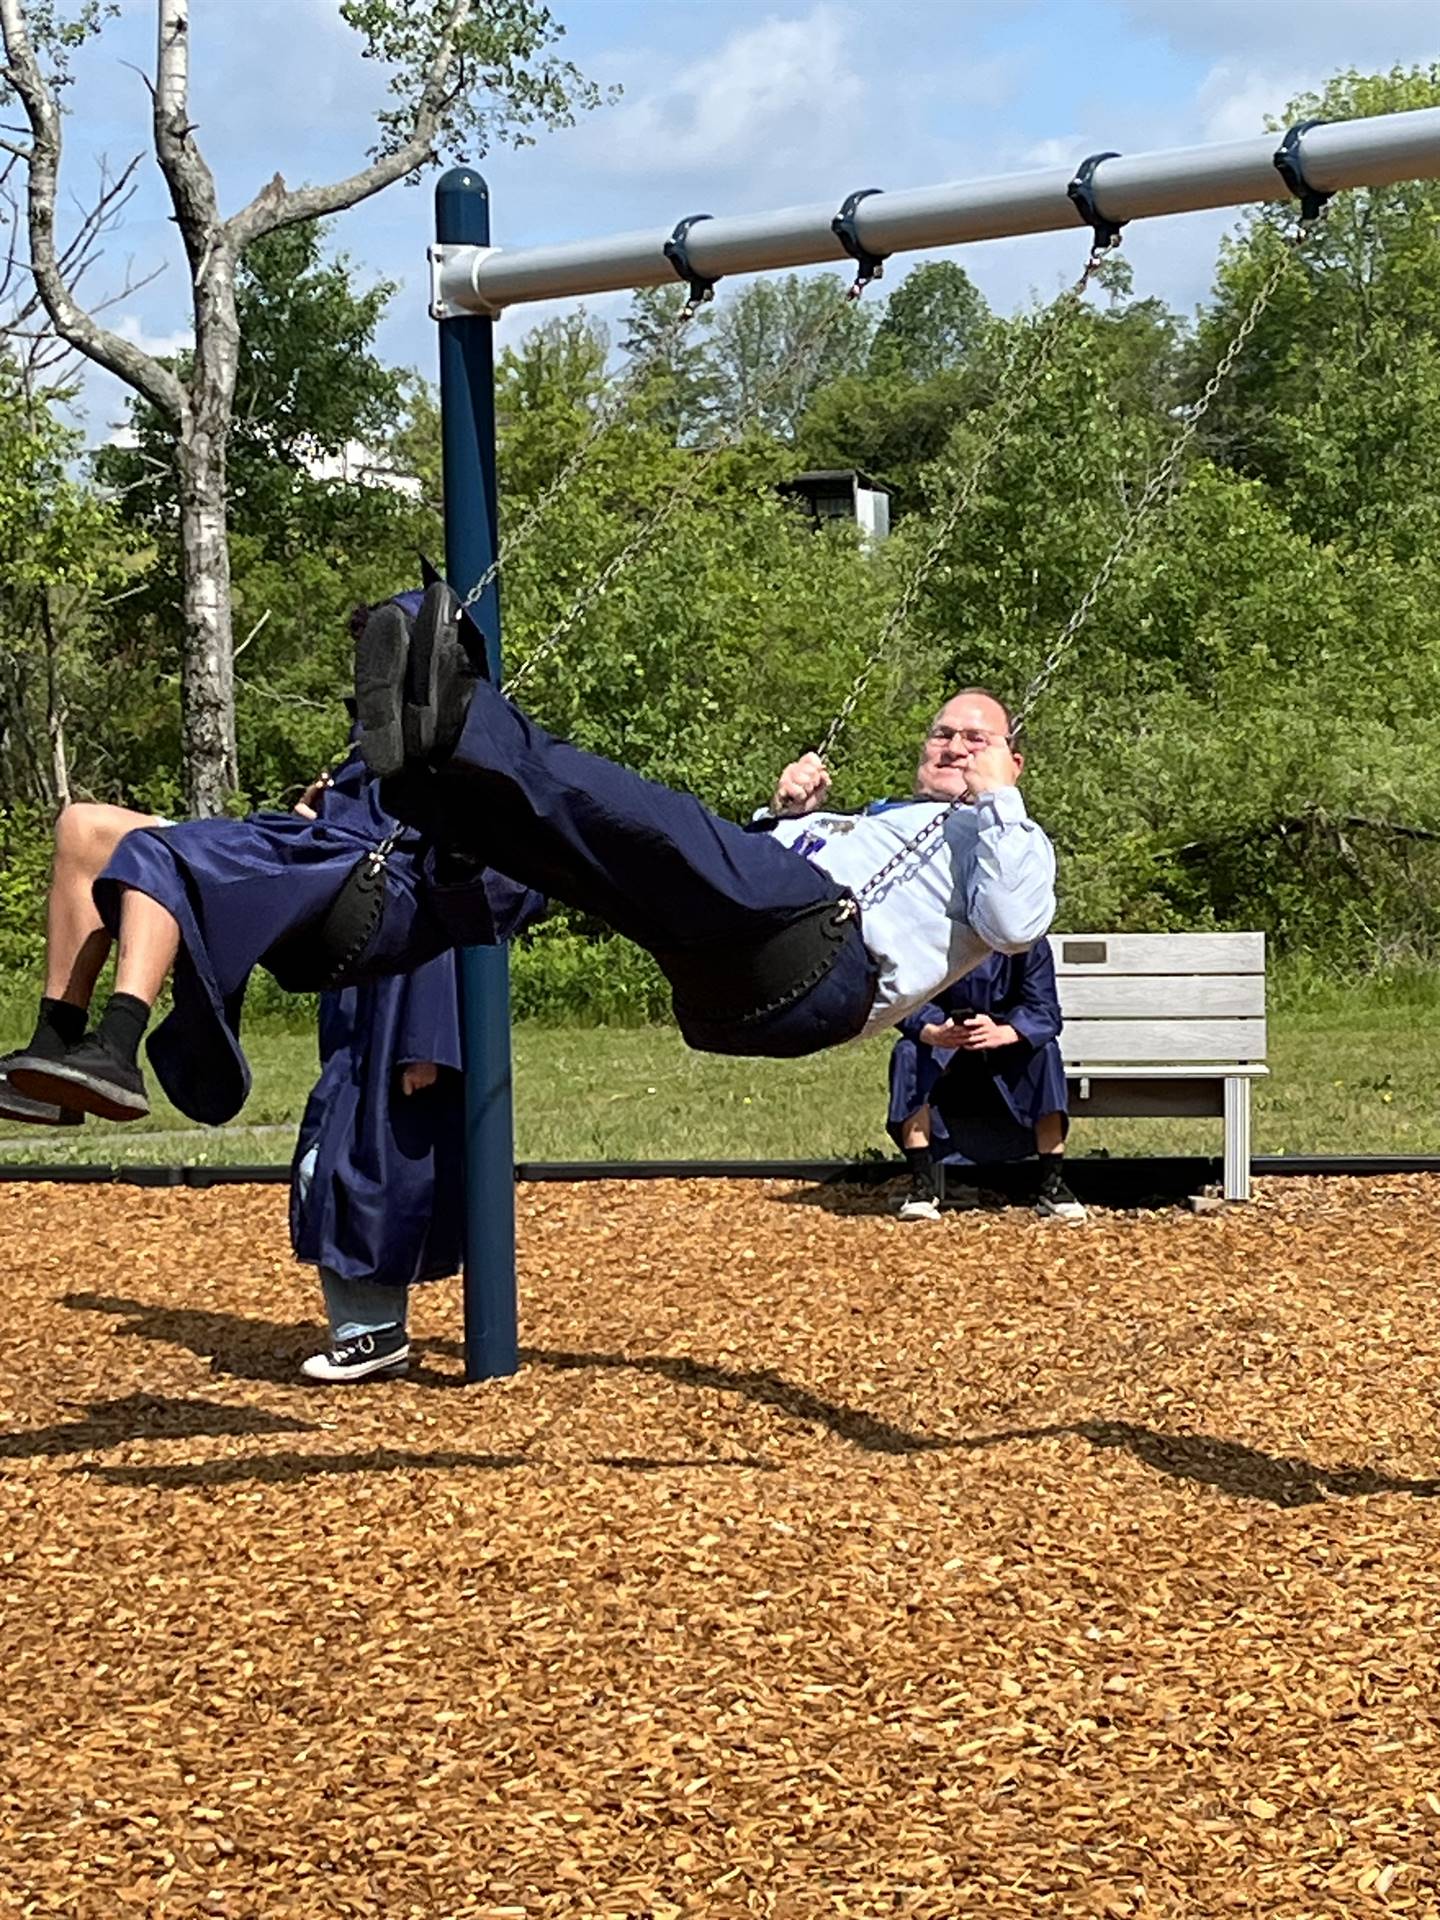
x=801 y=931
x=775 y=937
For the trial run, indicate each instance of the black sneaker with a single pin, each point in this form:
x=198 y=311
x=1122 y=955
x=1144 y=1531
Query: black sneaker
x=439 y=679
x=380 y=663
x=89 y=1078
x=1055 y=1201
x=35 y=1113
x=384 y=1354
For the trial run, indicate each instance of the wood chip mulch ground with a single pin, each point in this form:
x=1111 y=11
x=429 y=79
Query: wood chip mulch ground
x=812 y=1565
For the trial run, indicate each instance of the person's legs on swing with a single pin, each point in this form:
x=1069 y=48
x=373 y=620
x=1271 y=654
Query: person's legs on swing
x=77 y=946
x=100 y=1074
x=696 y=890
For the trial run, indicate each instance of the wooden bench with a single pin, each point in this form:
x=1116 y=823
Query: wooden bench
x=1165 y=1025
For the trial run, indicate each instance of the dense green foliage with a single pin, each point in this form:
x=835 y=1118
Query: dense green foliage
x=1244 y=734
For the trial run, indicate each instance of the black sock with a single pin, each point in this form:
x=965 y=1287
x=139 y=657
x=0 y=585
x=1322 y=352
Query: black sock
x=57 y=1026
x=922 y=1167
x=122 y=1026
x=1052 y=1171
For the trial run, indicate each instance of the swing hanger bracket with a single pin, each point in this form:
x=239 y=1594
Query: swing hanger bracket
x=1107 y=232
x=870 y=266
x=677 y=251
x=453 y=269
x=1290 y=165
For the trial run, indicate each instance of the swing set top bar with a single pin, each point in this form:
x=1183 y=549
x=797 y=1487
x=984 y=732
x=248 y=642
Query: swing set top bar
x=1372 y=152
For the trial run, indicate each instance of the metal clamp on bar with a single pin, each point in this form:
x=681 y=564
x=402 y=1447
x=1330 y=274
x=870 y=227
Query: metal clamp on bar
x=452 y=272
x=1290 y=165
x=1082 y=192
x=871 y=265
x=677 y=252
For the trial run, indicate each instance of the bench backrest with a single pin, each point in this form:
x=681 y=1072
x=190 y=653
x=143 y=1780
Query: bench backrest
x=1159 y=998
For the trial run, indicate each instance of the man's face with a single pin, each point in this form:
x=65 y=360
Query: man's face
x=964 y=726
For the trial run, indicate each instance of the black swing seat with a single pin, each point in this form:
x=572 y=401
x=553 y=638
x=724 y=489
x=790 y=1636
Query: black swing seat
x=741 y=982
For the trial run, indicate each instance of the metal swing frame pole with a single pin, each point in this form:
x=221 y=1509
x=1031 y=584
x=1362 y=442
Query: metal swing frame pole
x=472 y=532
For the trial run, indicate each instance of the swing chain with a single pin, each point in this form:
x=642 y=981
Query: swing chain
x=1017 y=392
x=811 y=341
x=1161 y=483
x=604 y=417
x=1157 y=489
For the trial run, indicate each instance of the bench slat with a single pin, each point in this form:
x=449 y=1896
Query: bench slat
x=1161 y=1040
x=1100 y=953
x=1161 y=997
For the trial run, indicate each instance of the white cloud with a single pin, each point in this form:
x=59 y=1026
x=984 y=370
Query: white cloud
x=1235 y=100
x=1325 y=33
x=769 y=93
x=162 y=345
x=1060 y=150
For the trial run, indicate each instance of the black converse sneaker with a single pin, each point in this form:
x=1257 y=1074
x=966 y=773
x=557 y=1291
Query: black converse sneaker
x=35 y=1113
x=1055 y=1201
x=88 y=1078
x=383 y=1354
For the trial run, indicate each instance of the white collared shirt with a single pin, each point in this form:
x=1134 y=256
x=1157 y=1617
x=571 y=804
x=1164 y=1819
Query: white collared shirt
x=985 y=885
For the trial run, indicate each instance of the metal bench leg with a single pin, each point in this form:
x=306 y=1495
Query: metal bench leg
x=1237 y=1139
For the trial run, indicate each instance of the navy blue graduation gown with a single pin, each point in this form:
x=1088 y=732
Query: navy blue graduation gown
x=387 y=1199
x=984 y=1106
x=237 y=887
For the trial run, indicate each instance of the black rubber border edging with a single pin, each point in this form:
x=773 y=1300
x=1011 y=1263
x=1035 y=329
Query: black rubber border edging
x=1093 y=1176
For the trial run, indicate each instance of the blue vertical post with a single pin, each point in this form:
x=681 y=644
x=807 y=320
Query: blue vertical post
x=467 y=417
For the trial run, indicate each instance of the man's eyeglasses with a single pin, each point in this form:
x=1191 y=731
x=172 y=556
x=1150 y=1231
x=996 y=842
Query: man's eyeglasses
x=974 y=738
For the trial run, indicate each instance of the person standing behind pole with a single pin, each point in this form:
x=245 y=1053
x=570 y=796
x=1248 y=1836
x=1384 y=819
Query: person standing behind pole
x=377 y=1198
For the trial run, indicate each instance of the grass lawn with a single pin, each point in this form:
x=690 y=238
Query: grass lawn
x=1352 y=1071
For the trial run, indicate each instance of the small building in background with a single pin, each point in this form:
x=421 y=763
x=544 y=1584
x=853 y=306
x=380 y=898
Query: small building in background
x=843 y=493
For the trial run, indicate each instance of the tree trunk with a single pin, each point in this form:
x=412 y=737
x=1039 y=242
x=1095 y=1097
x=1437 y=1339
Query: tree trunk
x=207 y=675
x=207 y=672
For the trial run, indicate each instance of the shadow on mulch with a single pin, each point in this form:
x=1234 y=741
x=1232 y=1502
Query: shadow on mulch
x=144 y=1416
x=250 y=1349
x=1240 y=1471
x=236 y=1345
x=287 y=1469
x=246 y=1349
x=765 y=1387
x=1118 y=1185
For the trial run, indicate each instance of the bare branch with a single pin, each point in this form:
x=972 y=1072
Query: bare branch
x=253 y=631
x=191 y=183
x=277 y=205
x=138 y=369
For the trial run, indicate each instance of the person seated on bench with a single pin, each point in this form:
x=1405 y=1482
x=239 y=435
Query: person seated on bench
x=976 y=1077
x=758 y=929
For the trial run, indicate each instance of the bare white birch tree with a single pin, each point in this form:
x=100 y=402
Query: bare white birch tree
x=462 y=69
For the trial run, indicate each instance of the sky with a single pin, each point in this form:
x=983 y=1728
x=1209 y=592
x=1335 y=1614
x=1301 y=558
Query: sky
x=732 y=108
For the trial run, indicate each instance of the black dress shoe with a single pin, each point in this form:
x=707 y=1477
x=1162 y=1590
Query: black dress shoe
x=88 y=1079
x=380 y=669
